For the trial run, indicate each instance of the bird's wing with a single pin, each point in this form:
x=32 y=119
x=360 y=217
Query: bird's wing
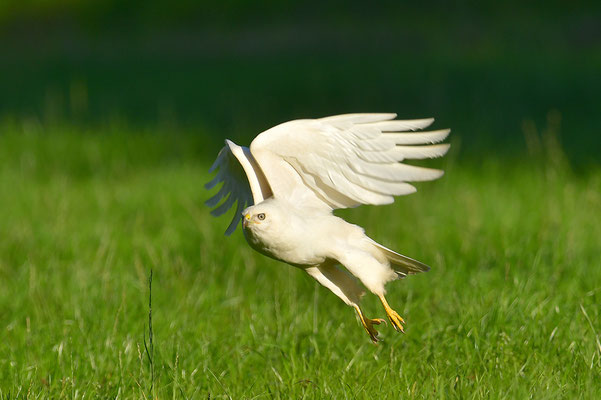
x=243 y=182
x=346 y=160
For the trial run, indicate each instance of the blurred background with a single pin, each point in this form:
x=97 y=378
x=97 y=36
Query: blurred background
x=501 y=74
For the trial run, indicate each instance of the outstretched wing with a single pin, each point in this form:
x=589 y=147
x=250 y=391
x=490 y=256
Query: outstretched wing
x=243 y=182
x=346 y=160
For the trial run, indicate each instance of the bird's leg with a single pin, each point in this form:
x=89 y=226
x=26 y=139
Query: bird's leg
x=395 y=319
x=368 y=324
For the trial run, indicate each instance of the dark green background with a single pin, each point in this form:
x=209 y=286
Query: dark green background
x=495 y=72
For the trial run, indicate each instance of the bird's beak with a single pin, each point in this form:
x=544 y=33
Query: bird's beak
x=245 y=220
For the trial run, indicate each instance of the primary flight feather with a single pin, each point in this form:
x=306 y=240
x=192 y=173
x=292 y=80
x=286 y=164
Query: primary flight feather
x=286 y=185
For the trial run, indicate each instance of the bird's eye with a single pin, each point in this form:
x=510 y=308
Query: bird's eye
x=261 y=216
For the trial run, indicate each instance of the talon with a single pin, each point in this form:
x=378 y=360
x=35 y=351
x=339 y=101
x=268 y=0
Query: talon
x=395 y=319
x=368 y=324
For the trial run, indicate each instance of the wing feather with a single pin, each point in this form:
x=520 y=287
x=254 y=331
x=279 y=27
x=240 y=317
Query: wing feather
x=420 y=138
x=403 y=125
x=243 y=182
x=346 y=160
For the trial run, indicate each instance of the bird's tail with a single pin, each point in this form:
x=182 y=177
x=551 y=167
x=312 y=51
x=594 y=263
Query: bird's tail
x=401 y=264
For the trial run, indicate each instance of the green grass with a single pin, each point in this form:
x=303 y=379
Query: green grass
x=509 y=310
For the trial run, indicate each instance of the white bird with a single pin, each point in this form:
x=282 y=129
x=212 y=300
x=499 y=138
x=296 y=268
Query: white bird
x=296 y=173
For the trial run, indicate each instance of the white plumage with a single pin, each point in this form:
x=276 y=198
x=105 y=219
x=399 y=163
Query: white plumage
x=296 y=173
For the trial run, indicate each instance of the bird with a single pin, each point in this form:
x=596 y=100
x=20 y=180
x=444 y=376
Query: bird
x=286 y=185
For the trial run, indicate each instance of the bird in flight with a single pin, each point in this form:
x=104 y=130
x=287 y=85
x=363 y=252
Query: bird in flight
x=287 y=184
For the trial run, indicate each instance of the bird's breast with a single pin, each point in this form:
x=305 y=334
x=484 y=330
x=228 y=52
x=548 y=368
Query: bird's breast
x=293 y=246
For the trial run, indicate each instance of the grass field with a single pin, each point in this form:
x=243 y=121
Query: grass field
x=509 y=310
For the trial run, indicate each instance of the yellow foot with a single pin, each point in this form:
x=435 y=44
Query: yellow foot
x=368 y=324
x=395 y=319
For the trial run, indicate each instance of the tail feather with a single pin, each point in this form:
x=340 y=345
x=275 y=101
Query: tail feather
x=401 y=264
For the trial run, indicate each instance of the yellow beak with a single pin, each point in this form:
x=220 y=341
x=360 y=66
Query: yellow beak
x=245 y=220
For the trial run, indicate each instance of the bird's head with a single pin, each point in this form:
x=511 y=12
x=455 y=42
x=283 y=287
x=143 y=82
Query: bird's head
x=267 y=227
x=260 y=217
